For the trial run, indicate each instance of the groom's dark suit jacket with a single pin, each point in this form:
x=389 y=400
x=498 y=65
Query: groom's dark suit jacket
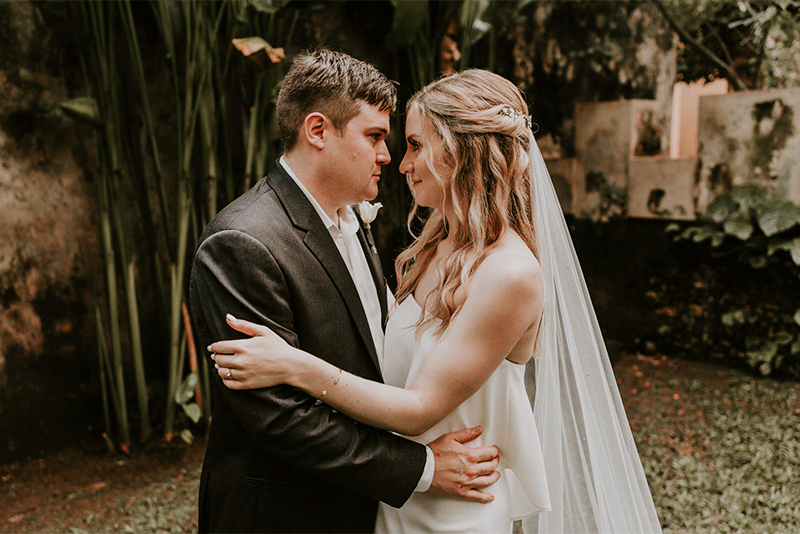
x=277 y=460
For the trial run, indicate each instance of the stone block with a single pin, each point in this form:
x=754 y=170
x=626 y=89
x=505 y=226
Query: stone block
x=607 y=135
x=749 y=136
x=661 y=188
x=568 y=182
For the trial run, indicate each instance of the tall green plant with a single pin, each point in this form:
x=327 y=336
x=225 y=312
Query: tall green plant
x=101 y=63
x=191 y=71
x=222 y=108
x=214 y=87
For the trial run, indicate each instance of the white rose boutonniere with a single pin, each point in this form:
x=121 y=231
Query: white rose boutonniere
x=368 y=211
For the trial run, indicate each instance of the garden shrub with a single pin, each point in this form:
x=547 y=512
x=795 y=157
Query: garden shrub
x=735 y=294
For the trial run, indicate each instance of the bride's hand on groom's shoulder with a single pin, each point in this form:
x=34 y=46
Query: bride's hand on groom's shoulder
x=262 y=360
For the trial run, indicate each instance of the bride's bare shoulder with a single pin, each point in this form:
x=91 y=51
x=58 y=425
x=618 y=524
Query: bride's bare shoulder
x=509 y=267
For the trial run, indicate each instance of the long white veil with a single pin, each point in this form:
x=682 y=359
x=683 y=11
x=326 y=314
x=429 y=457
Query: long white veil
x=594 y=474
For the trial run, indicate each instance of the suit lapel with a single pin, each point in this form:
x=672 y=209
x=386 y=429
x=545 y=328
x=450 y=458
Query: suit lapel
x=374 y=262
x=319 y=241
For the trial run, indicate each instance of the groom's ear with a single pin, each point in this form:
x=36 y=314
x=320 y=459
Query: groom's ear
x=314 y=129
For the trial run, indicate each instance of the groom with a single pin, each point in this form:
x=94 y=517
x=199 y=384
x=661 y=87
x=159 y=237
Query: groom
x=291 y=254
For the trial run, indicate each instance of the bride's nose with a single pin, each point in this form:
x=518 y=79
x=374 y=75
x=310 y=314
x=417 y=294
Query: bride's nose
x=406 y=167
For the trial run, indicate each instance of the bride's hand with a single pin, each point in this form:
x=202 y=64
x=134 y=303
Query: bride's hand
x=260 y=361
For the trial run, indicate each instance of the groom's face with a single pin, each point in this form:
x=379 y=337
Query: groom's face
x=357 y=154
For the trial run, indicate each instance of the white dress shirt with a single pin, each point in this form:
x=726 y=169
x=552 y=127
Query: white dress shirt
x=346 y=240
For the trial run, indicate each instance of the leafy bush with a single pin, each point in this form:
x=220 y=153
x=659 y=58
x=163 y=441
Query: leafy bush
x=744 y=309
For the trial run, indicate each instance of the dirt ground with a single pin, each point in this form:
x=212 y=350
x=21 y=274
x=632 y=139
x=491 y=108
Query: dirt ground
x=79 y=491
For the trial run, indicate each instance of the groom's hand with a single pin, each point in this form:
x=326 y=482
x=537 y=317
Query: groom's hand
x=464 y=471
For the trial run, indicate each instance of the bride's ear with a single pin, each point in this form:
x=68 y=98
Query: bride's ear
x=314 y=129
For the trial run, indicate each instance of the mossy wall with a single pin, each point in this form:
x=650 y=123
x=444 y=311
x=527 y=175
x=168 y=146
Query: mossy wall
x=48 y=245
x=749 y=136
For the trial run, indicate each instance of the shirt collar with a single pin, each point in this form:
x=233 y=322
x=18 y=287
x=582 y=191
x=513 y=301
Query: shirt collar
x=348 y=224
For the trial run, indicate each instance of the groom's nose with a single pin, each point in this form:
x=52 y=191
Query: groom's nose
x=383 y=157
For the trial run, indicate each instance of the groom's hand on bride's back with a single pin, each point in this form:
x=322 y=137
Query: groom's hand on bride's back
x=464 y=471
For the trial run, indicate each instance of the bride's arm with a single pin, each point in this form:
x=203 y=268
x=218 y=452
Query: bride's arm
x=504 y=300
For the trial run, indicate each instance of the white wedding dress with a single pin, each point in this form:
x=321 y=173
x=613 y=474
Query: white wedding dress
x=502 y=407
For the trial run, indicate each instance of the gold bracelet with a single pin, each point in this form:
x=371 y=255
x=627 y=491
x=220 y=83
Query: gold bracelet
x=325 y=391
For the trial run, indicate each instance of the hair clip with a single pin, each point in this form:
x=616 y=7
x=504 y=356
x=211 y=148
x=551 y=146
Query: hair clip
x=515 y=114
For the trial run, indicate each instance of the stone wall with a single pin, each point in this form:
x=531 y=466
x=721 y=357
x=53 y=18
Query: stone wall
x=746 y=136
x=48 y=241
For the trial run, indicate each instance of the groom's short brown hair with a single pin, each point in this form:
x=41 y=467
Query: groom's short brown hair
x=331 y=83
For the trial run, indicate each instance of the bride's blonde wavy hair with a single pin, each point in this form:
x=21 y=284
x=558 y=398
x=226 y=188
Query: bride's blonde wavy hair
x=483 y=122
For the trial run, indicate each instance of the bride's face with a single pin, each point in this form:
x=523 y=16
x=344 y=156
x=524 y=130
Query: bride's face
x=425 y=162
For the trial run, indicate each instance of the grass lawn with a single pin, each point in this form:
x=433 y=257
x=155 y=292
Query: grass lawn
x=721 y=448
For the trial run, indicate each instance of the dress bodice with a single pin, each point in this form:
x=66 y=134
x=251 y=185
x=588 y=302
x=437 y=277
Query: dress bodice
x=501 y=406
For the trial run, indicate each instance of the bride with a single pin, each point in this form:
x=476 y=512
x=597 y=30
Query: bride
x=491 y=280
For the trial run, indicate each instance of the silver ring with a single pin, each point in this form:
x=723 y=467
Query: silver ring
x=229 y=374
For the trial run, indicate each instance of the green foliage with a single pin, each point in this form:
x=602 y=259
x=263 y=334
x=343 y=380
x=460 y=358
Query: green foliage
x=760 y=39
x=183 y=396
x=746 y=222
x=763 y=235
x=485 y=22
x=410 y=20
x=773 y=29
x=83 y=109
